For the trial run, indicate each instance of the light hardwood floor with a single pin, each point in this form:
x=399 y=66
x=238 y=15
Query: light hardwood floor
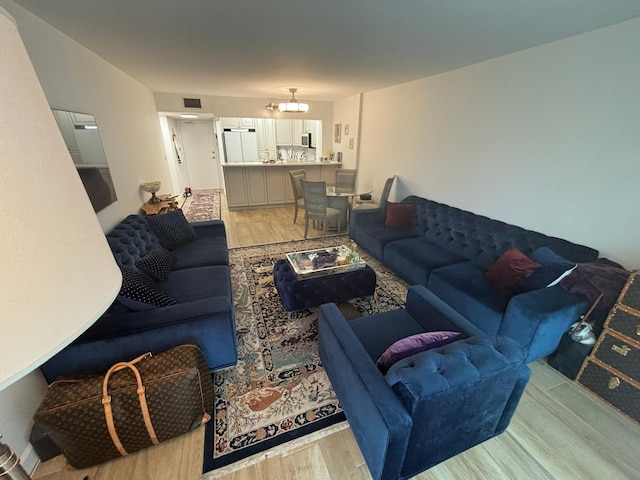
x=559 y=432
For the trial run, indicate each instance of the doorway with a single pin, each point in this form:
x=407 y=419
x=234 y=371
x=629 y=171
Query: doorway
x=200 y=153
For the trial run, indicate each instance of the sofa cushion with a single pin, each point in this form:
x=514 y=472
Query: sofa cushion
x=464 y=287
x=201 y=252
x=172 y=229
x=509 y=270
x=554 y=268
x=198 y=283
x=373 y=236
x=158 y=263
x=139 y=293
x=414 y=258
x=413 y=344
x=399 y=215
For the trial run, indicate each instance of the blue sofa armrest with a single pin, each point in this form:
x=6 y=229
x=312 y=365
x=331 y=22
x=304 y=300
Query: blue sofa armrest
x=210 y=228
x=369 y=215
x=434 y=314
x=539 y=318
x=378 y=418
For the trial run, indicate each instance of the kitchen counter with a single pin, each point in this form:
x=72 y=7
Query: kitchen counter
x=260 y=185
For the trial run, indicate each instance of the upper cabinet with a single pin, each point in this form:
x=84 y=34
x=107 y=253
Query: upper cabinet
x=289 y=132
x=266 y=133
x=273 y=133
x=238 y=122
x=283 y=132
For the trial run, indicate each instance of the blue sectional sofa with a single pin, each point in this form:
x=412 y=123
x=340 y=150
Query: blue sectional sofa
x=201 y=309
x=449 y=250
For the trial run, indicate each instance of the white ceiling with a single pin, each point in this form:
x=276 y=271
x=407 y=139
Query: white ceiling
x=328 y=49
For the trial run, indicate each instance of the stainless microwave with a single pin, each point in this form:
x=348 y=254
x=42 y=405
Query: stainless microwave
x=306 y=140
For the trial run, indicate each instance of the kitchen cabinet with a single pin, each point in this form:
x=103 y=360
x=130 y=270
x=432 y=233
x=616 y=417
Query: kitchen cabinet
x=258 y=185
x=296 y=133
x=235 y=187
x=283 y=132
x=276 y=186
x=238 y=122
x=266 y=130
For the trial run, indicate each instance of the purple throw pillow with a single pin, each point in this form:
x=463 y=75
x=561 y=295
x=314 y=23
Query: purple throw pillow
x=408 y=346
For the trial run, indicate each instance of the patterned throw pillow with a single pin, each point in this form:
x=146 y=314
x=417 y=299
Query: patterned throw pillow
x=139 y=293
x=157 y=263
x=172 y=229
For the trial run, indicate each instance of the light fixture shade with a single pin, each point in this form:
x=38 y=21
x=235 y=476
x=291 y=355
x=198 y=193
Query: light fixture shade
x=293 y=106
x=58 y=273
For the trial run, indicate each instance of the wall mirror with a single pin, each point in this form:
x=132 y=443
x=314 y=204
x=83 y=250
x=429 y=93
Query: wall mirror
x=80 y=133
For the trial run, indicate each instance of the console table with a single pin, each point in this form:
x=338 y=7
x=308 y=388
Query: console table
x=166 y=204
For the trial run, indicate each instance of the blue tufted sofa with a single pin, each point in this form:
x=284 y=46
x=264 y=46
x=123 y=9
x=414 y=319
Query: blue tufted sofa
x=449 y=250
x=204 y=314
x=431 y=405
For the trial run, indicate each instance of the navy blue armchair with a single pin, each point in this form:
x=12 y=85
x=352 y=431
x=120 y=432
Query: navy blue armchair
x=429 y=406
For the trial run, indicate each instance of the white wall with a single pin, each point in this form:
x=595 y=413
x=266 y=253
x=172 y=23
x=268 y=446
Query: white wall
x=73 y=78
x=346 y=112
x=547 y=138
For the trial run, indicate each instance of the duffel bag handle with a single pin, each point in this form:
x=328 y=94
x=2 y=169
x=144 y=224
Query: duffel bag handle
x=106 y=402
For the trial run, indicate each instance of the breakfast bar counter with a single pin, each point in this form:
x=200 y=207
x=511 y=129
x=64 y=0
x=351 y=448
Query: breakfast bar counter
x=258 y=185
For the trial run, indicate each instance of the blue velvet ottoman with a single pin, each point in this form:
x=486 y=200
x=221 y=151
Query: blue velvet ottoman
x=335 y=288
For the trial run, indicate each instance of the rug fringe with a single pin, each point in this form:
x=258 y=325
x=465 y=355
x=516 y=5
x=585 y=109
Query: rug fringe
x=283 y=449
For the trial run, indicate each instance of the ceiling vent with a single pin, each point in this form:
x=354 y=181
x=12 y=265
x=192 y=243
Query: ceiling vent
x=192 y=103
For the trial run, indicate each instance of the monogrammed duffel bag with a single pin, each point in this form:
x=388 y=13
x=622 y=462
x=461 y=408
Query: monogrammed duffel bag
x=136 y=404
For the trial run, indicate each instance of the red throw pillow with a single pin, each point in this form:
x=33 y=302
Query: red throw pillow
x=400 y=215
x=509 y=270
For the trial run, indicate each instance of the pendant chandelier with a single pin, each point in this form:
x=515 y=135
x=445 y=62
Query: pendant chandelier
x=293 y=106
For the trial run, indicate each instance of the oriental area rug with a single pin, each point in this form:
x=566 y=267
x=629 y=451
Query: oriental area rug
x=279 y=390
x=202 y=205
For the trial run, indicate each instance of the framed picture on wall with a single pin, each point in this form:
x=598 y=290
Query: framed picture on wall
x=346 y=129
x=337 y=133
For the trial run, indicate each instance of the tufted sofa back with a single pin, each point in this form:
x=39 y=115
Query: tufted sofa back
x=131 y=239
x=483 y=239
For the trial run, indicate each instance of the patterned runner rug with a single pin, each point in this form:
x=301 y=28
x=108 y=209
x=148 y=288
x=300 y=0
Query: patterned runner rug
x=279 y=390
x=203 y=205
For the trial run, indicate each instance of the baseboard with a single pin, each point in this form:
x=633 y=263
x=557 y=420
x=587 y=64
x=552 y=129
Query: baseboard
x=29 y=459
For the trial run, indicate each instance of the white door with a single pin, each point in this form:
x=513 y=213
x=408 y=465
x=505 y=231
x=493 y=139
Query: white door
x=198 y=142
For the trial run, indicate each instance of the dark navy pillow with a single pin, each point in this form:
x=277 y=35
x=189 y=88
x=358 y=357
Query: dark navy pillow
x=172 y=229
x=139 y=293
x=554 y=268
x=158 y=263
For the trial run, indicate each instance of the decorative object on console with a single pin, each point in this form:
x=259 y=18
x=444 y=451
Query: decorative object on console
x=293 y=105
x=47 y=300
x=152 y=188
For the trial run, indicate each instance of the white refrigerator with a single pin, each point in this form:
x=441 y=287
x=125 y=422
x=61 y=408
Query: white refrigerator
x=240 y=146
